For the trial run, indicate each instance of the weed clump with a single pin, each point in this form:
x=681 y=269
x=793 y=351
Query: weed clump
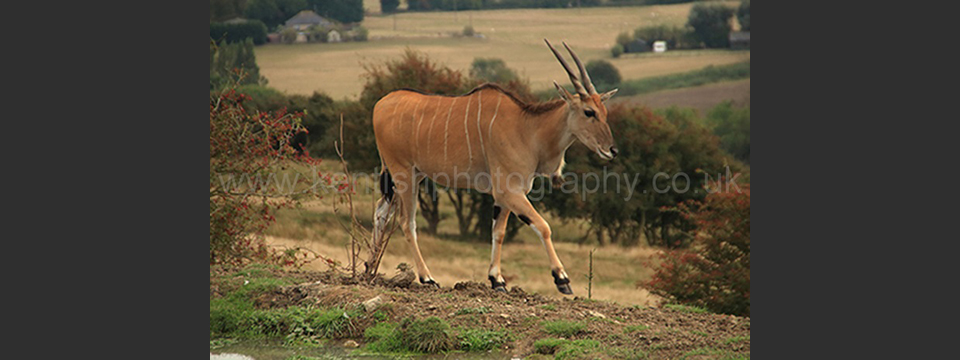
x=547 y=346
x=563 y=328
x=431 y=335
x=482 y=340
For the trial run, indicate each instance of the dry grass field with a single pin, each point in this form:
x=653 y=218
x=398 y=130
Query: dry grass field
x=516 y=36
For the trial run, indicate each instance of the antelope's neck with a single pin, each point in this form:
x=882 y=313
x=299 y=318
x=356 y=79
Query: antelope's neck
x=553 y=137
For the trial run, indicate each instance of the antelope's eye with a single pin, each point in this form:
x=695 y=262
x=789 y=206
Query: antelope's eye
x=590 y=113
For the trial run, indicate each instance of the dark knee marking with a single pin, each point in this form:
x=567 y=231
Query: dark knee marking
x=429 y=282
x=498 y=286
x=525 y=219
x=496 y=212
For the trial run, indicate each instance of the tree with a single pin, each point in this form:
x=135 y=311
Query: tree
x=743 y=15
x=345 y=11
x=228 y=61
x=732 y=125
x=711 y=23
x=603 y=74
x=492 y=70
x=389 y=6
x=715 y=272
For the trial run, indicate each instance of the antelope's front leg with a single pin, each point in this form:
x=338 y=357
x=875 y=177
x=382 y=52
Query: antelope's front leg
x=500 y=218
x=519 y=205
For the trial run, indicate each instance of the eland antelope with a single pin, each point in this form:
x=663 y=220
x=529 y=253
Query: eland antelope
x=490 y=141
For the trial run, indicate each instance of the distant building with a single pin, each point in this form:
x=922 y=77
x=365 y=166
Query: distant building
x=659 y=46
x=636 y=46
x=305 y=19
x=739 y=40
x=333 y=36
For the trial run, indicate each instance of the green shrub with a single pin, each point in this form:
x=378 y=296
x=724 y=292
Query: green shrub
x=256 y=30
x=675 y=37
x=431 y=335
x=468 y=31
x=616 y=50
x=389 y=6
x=563 y=328
x=714 y=274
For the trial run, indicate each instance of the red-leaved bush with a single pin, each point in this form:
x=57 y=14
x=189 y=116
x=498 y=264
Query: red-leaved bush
x=714 y=273
x=252 y=174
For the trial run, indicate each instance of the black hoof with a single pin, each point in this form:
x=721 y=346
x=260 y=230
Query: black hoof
x=498 y=286
x=430 y=282
x=563 y=284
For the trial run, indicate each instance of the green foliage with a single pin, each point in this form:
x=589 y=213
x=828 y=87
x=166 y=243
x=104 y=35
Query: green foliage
x=563 y=328
x=711 y=23
x=482 y=340
x=548 y=345
x=221 y=10
x=732 y=125
x=344 y=11
x=743 y=15
x=675 y=37
x=273 y=12
x=624 y=38
x=709 y=74
x=389 y=6
x=229 y=60
x=616 y=50
x=714 y=274
x=548 y=307
x=604 y=75
x=234 y=33
x=468 y=31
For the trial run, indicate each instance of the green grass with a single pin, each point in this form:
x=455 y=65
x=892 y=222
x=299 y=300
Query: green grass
x=563 y=328
x=686 y=308
x=577 y=349
x=482 y=340
x=548 y=345
x=706 y=75
x=737 y=339
x=712 y=354
x=548 y=307
x=431 y=335
x=478 y=310
x=634 y=328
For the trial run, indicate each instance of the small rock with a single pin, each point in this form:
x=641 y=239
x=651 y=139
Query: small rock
x=351 y=344
x=594 y=313
x=505 y=316
x=371 y=305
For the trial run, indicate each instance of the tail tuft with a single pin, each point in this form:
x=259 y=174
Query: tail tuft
x=386 y=185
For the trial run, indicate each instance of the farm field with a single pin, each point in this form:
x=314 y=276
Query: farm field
x=516 y=36
x=702 y=98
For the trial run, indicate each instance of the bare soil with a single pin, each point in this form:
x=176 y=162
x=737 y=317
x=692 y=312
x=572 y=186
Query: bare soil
x=661 y=333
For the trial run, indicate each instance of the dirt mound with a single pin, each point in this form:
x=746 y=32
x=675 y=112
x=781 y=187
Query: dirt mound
x=659 y=333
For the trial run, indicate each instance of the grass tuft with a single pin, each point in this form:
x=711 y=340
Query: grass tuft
x=563 y=328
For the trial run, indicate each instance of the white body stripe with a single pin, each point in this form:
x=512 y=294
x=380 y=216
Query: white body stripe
x=466 y=133
x=446 y=130
x=497 y=111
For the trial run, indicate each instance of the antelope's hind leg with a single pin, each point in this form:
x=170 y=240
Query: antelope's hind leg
x=500 y=218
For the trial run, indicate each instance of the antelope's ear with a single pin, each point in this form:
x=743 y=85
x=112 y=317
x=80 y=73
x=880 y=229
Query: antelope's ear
x=607 y=95
x=564 y=94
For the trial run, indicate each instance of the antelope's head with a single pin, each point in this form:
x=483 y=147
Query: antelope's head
x=587 y=115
